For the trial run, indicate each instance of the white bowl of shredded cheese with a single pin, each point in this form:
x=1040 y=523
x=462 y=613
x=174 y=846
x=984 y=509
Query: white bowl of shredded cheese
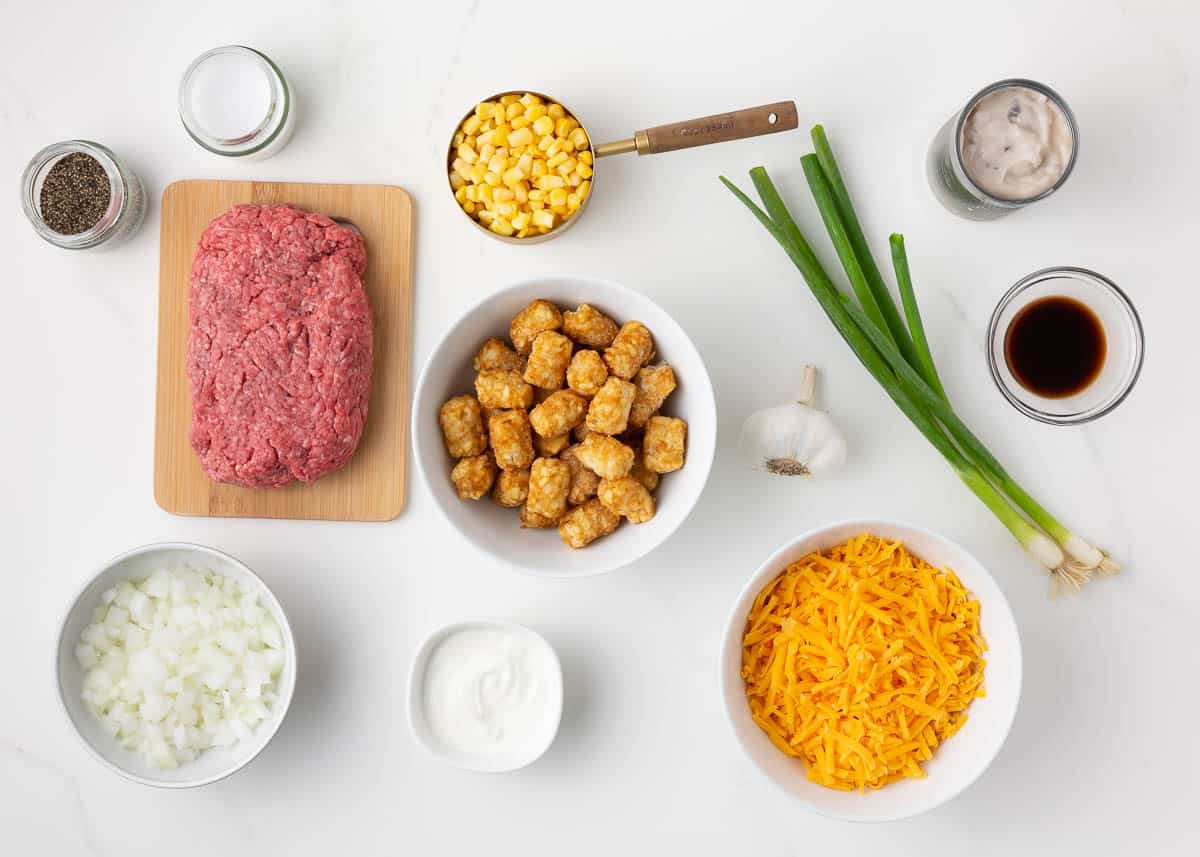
x=176 y=665
x=959 y=760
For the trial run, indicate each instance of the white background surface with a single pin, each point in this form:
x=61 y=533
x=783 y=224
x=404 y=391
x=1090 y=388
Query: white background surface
x=1103 y=755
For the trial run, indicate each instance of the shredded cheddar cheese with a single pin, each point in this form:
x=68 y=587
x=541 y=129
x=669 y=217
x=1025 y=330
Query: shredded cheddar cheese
x=861 y=660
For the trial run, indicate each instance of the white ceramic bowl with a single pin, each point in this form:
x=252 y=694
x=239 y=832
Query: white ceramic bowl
x=213 y=764
x=496 y=531
x=957 y=763
x=500 y=763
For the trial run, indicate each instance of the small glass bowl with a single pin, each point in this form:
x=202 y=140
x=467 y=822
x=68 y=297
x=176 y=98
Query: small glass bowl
x=1124 y=339
x=273 y=131
x=126 y=207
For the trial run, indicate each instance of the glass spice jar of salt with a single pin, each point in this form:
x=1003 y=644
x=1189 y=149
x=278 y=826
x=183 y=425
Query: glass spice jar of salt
x=78 y=195
x=235 y=102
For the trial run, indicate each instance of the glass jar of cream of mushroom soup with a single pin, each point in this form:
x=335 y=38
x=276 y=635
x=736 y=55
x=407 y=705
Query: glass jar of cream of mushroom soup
x=234 y=101
x=1014 y=143
x=78 y=195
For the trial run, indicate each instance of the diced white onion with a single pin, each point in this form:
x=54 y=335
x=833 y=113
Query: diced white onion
x=179 y=662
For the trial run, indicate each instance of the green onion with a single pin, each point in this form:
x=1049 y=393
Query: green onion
x=858 y=242
x=912 y=313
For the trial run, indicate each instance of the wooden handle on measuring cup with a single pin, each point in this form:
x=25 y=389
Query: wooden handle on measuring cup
x=752 y=122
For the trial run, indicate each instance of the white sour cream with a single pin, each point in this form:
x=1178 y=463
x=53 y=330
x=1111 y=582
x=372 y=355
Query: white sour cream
x=1016 y=143
x=494 y=694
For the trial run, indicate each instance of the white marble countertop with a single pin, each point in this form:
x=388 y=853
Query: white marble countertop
x=1101 y=759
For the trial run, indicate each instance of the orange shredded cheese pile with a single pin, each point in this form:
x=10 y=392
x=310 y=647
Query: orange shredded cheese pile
x=861 y=660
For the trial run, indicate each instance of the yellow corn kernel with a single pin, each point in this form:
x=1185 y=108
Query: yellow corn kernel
x=501 y=226
x=554 y=148
x=511 y=98
x=504 y=209
x=567 y=167
x=521 y=191
x=524 y=233
x=549 y=182
x=472 y=193
x=486 y=138
x=484 y=109
x=537 y=195
x=565 y=145
x=472 y=124
x=536 y=204
x=491 y=178
x=469 y=207
x=525 y=163
x=499 y=113
x=467 y=153
x=459 y=139
x=543 y=126
x=461 y=193
x=573 y=202
x=485 y=217
x=529 y=99
x=500 y=135
x=556 y=111
x=586 y=157
x=585 y=172
x=486 y=151
x=535 y=111
x=539 y=168
x=484 y=193
x=461 y=168
x=477 y=173
x=565 y=126
x=520 y=137
x=513 y=111
x=573 y=180
x=558 y=196
x=512 y=176
x=503 y=194
x=457 y=181
x=520 y=221
x=497 y=164
x=579 y=137
x=584 y=187
x=520 y=122
x=544 y=219
x=556 y=160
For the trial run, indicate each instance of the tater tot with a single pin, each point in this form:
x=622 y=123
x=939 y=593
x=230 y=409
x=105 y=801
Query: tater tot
x=531 y=520
x=586 y=373
x=502 y=388
x=495 y=354
x=548 y=360
x=654 y=384
x=537 y=317
x=549 y=485
x=648 y=478
x=584 y=524
x=462 y=427
x=583 y=481
x=588 y=326
x=511 y=439
x=630 y=351
x=664 y=443
x=609 y=411
x=628 y=498
x=547 y=447
x=472 y=477
x=511 y=489
x=558 y=414
x=605 y=456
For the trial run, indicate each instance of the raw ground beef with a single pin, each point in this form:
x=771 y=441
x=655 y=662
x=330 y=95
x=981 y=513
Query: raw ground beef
x=279 y=348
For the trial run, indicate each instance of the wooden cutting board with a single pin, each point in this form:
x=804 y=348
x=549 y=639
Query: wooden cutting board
x=371 y=486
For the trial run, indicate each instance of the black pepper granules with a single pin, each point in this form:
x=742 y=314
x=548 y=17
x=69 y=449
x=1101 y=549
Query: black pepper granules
x=75 y=194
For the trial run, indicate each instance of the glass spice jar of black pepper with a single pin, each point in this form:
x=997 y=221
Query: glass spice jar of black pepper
x=79 y=196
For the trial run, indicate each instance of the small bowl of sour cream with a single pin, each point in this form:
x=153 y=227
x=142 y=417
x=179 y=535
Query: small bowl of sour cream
x=485 y=695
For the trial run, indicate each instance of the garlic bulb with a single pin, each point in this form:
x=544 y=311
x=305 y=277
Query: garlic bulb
x=794 y=439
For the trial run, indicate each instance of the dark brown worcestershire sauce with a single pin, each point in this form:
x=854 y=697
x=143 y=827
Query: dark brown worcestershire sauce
x=1055 y=347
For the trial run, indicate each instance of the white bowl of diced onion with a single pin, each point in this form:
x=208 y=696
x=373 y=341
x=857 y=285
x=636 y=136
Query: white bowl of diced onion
x=248 y=634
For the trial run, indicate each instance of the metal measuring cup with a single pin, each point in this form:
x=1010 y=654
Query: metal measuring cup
x=719 y=128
